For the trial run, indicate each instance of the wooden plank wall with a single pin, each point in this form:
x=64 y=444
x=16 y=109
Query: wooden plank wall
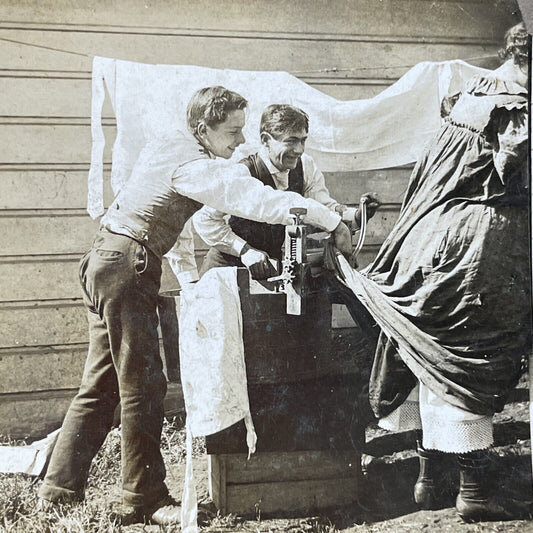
x=349 y=49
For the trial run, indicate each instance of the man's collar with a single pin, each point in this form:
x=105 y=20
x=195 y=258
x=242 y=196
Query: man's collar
x=273 y=169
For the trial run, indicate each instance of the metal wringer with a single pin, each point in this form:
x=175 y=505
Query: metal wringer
x=302 y=263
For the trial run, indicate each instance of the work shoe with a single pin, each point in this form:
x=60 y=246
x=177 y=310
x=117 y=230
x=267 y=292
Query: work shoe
x=424 y=489
x=165 y=512
x=474 y=503
x=490 y=509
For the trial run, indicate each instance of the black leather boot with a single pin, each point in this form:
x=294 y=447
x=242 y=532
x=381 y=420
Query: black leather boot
x=474 y=503
x=424 y=490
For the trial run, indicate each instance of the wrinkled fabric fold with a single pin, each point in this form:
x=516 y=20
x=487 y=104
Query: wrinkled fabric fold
x=213 y=369
x=422 y=354
x=450 y=286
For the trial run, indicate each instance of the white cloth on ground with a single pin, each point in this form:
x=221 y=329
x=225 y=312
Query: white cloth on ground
x=213 y=370
x=387 y=130
x=29 y=459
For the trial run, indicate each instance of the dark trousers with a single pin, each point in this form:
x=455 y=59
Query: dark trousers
x=120 y=279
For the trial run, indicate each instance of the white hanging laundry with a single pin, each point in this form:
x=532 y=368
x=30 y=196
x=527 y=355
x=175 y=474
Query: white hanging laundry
x=385 y=131
x=213 y=370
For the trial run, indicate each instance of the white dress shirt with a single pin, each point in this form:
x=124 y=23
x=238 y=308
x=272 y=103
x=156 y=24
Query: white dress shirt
x=224 y=185
x=212 y=226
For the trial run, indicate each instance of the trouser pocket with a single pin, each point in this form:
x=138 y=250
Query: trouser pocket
x=82 y=274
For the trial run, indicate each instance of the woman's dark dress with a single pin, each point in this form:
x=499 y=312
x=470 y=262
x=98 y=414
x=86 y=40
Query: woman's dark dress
x=456 y=263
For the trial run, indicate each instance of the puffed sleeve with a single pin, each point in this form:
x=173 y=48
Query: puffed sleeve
x=508 y=134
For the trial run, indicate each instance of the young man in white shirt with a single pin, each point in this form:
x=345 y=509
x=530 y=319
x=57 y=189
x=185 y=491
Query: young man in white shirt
x=121 y=277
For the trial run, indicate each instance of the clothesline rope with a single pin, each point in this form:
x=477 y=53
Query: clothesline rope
x=356 y=69
x=298 y=72
x=45 y=47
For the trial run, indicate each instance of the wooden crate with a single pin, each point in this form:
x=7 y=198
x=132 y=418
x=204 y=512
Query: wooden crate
x=283 y=482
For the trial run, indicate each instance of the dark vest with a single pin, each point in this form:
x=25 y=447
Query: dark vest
x=266 y=237
x=148 y=208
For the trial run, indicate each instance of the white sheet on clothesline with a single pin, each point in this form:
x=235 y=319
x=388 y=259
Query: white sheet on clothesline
x=385 y=131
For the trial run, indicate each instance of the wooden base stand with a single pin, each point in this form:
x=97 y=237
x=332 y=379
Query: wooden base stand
x=271 y=482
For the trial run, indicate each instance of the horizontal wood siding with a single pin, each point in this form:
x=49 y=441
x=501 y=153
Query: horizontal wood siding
x=348 y=49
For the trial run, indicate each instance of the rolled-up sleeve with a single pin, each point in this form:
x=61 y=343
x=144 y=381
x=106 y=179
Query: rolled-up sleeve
x=228 y=187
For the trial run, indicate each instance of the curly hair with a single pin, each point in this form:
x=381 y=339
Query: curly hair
x=515 y=45
x=211 y=105
x=278 y=119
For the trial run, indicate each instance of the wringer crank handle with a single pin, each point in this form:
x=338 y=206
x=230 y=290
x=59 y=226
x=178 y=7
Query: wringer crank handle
x=298 y=213
x=362 y=230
